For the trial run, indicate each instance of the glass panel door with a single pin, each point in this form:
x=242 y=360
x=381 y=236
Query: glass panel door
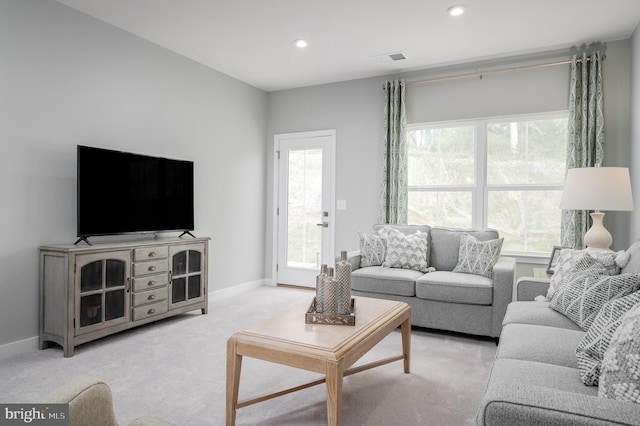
x=103 y=281
x=186 y=274
x=305 y=214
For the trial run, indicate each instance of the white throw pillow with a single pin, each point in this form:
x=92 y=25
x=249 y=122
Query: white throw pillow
x=620 y=370
x=406 y=251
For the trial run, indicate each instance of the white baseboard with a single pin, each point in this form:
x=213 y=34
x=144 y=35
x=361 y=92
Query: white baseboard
x=30 y=344
x=18 y=348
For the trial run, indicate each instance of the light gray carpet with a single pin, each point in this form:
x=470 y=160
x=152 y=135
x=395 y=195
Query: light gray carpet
x=175 y=370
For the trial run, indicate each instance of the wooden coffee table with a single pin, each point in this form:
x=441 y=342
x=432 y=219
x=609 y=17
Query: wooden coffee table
x=328 y=349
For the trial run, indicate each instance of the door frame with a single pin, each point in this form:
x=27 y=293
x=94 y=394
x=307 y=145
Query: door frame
x=331 y=133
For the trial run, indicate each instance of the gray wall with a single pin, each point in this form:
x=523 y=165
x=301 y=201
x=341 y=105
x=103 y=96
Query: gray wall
x=355 y=110
x=635 y=130
x=68 y=79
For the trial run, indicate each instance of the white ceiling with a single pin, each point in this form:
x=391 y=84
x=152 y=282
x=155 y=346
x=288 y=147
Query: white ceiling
x=252 y=40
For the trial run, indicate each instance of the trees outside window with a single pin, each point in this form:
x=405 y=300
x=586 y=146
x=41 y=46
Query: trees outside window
x=505 y=173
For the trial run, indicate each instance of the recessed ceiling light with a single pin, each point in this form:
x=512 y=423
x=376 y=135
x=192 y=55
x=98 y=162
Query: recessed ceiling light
x=301 y=43
x=456 y=10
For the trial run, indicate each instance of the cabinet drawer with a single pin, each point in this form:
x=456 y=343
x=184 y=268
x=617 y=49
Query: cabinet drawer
x=150 y=296
x=153 y=267
x=152 y=281
x=148 y=253
x=150 y=310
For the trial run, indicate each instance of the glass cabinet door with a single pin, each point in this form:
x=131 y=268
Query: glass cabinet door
x=102 y=298
x=187 y=282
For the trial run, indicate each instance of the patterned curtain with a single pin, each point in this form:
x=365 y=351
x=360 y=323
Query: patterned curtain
x=585 y=147
x=393 y=202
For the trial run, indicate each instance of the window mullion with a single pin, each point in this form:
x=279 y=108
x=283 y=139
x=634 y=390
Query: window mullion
x=480 y=190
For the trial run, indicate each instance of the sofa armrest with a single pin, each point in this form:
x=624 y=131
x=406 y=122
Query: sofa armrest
x=503 y=278
x=88 y=398
x=520 y=404
x=91 y=400
x=528 y=288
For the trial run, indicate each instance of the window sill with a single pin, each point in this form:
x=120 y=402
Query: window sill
x=535 y=258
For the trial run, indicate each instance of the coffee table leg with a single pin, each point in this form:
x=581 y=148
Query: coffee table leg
x=406 y=343
x=334 y=376
x=234 y=365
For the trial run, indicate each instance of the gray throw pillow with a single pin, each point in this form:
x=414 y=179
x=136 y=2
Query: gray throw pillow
x=588 y=288
x=372 y=249
x=620 y=370
x=633 y=261
x=406 y=251
x=595 y=342
x=478 y=257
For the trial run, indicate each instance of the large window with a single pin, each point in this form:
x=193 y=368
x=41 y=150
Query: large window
x=504 y=173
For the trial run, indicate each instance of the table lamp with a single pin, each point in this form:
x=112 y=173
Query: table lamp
x=597 y=188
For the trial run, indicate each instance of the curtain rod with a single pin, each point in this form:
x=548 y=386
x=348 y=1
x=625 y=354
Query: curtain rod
x=496 y=71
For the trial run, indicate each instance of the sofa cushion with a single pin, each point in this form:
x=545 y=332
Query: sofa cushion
x=372 y=249
x=537 y=313
x=532 y=373
x=620 y=370
x=378 y=279
x=588 y=289
x=453 y=287
x=478 y=257
x=595 y=343
x=539 y=343
x=406 y=251
x=445 y=245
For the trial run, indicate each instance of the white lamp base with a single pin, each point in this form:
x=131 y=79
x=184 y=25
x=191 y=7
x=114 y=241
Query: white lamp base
x=597 y=237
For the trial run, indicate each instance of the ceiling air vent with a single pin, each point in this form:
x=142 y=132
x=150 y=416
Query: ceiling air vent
x=389 y=57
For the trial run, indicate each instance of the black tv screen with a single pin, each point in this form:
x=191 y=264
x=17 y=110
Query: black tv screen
x=121 y=192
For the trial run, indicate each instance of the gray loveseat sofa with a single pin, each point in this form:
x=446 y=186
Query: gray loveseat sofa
x=442 y=299
x=535 y=379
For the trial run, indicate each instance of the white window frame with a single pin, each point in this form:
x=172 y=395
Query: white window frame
x=480 y=189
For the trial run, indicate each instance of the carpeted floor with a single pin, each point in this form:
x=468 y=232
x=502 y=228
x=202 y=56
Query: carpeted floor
x=175 y=369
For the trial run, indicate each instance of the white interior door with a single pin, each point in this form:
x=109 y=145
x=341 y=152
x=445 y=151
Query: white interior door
x=305 y=169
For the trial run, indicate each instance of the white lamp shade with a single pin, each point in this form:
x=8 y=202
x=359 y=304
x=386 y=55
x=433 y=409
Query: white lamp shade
x=597 y=188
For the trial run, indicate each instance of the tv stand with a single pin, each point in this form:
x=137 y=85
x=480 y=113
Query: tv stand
x=187 y=233
x=89 y=292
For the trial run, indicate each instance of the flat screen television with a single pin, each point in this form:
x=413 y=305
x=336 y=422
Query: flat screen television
x=121 y=193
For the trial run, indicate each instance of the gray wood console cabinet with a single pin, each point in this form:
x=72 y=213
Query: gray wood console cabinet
x=88 y=292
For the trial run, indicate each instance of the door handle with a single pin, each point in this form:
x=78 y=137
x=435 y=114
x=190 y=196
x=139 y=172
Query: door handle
x=323 y=224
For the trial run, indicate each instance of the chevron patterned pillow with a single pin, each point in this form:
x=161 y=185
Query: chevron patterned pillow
x=588 y=289
x=478 y=257
x=595 y=342
x=406 y=251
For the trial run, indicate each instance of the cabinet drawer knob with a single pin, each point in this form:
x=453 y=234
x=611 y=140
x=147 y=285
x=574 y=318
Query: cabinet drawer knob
x=150 y=283
x=152 y=254
x=152 y=268
x=151 y=311
x=151 y=297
